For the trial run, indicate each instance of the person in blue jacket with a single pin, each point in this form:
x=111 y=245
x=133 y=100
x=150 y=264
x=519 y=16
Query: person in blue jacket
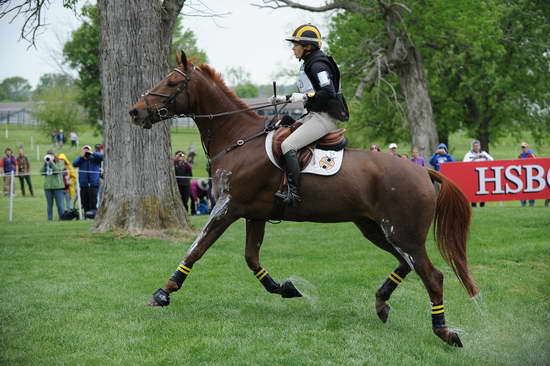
x=89 y=164
x=441 y=156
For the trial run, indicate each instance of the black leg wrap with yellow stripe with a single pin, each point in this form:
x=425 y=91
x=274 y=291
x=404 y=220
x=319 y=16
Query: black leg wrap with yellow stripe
x=391 y=283
x=269 y=283
x=438 y=316
x=180 y=274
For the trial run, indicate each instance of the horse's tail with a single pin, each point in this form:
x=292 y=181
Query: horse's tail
x=451 y=227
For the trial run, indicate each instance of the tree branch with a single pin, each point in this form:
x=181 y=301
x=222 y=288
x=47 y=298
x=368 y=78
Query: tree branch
x=332 y=5
x=31 y=11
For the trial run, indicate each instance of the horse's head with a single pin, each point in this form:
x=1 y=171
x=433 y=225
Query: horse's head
x=166 y=99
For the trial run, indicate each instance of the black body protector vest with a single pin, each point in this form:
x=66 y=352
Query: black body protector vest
x=320 y=74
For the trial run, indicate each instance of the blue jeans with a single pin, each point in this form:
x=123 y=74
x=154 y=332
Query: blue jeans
x=68 y=201
x=58 y=194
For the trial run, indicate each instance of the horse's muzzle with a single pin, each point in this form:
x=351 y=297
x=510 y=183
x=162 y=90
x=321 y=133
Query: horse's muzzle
x=141 y=118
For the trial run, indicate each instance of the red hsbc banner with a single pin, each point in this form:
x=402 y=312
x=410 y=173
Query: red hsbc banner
x=501 y=180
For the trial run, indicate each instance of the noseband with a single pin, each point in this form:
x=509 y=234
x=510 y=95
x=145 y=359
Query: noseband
x=160 y=110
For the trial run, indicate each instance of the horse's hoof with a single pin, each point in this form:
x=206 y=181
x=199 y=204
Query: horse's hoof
x=160 y=298
x=454 y=340
x=383 y=312
x=448 y=337
x=288 y=290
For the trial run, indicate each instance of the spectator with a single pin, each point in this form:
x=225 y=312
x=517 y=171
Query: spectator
x=476 y=154
x=74 y=139
x=99 y=149
x=416 y=158
x=10 y=165
x=404 y=156
x=23 y=172
x=184 y=173
x=69 y=178
x=441 y=156
x=53 y=185
x=192 y=154
x=89 y=165
x=526 y=153
x=393 y=149
x=199 y=192
x=60 y=139
x=375 y=147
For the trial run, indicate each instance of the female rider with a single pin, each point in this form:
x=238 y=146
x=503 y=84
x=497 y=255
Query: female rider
x=319 y=86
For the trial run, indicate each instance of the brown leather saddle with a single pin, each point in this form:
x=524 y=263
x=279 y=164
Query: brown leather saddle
x=334 y=141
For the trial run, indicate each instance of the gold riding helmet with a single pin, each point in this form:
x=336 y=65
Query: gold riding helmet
x=306 y=34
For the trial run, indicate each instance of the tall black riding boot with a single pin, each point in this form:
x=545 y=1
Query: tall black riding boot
x=292 y=195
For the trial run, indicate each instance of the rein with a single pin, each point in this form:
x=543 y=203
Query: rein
x=163 y=114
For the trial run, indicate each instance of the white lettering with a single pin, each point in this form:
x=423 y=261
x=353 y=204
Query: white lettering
x=529 y=178
x=515 y=179
x=483 y=180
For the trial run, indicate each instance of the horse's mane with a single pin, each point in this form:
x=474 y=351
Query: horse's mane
x=217 y=78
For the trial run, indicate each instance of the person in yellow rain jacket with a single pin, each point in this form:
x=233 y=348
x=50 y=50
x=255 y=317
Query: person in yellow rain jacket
x=69 y=177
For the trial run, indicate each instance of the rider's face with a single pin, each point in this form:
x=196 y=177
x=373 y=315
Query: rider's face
x=298 y=50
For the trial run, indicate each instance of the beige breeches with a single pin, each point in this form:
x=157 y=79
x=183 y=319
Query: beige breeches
x=315 y=125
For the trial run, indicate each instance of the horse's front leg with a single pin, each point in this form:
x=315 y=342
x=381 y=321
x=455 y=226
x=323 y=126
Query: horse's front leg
x=217 y=223
x=254 y=238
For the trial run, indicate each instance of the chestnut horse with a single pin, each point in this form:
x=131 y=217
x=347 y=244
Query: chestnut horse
x=391 y=201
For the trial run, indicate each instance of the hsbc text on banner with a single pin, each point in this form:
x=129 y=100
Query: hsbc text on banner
x=501 y=180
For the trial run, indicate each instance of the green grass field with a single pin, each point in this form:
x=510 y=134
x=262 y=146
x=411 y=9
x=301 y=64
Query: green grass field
x=69 y=296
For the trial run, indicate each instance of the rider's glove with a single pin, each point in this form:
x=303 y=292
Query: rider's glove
x=287 y=120
x=279 y=99
x=297 y=97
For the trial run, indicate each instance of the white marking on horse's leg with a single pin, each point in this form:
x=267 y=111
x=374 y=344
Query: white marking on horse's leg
x=220 y=209
x=384 y=225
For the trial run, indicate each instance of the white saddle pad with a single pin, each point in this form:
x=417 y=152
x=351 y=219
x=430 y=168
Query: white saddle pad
x=323 y=162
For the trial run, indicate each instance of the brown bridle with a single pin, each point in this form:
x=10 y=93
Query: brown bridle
x=160 y=110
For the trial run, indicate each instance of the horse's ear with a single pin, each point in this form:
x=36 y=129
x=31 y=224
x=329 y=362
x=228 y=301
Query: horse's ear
x=183 y=59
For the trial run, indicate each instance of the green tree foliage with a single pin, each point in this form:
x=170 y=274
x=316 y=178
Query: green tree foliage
x=58 y=109
x=15 y=89
x=486 y=61
x=184 y=39
x=379 y=114
x=81 y=52
x=49 y=81
x=239 y=79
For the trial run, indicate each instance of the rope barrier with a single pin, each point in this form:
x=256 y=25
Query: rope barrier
x=91 y=171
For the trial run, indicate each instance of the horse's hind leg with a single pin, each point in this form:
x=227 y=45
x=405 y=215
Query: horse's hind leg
x=254 y=238
x=433 y=281
x=372 y=231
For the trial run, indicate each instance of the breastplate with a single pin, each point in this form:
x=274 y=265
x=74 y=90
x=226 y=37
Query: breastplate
x=303 y=83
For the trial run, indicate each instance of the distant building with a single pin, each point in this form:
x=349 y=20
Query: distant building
x=17 y=113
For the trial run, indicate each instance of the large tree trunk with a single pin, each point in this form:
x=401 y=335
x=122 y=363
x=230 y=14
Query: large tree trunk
x=419 y=105
x=140 y=192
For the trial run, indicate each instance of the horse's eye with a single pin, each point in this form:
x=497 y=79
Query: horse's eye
x=171 y=84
